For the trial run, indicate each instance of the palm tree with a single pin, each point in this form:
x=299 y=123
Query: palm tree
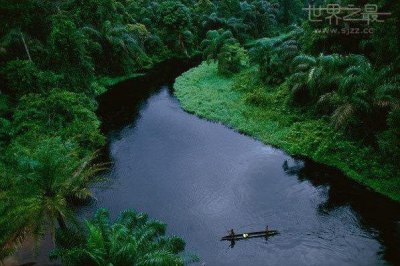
x=214 y=42
x=133 y=239
x=303 y=66
x=46 y=180
x=325 y=77
x=355 y=90
x=274 y=55
x=119 y=43
x=341 y=86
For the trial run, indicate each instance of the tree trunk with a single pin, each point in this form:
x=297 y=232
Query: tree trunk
x=25 y=46
x=182 y=45
x=61 y=222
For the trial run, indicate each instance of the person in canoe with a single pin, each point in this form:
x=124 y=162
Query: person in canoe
x=266 y=232
x=232 y=233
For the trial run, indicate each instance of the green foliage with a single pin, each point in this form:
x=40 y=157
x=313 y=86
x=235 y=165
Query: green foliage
x=389 y=140
x=175 y=18
x=204 y=7
x=96 y=12
x=214 y=42
x=231 y=59
x=347 y=88
x=174 y=15
x=23 y=76
x=43 y=180
x=122 y=45
x=260 y=17
x=220 y=45
x=5 y=127
x=132 y=239
x=60 y=113
x=139 y=31
x=290 y=11
x=273 y=56
x=229 y=8
x=69 y=55
x=256 y=97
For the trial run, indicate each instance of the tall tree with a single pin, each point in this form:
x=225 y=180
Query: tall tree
x=176 y=21
x=214 y=42
x=68 y=54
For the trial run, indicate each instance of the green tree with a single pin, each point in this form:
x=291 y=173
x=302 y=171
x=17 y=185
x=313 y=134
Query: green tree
x=176 y=21
x=345 y=88
x=121 y=45
x=238 y=28
x=316 y=76
x=140 y=32
x=132 y=239
x=356 y=91
x=68 y=54
x=274 y=56
x=260 y=17
x=60 y=113
x=204 y=7
x=212 y=22
x=231 y=59
x=23 y=76
x=214 y=42
x=44 y=180
x=229 y=8
x=95 y=12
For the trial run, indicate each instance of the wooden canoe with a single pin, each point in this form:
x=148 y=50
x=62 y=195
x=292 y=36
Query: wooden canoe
x=250 y=235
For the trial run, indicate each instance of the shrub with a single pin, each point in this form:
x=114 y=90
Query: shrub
x=231 y=59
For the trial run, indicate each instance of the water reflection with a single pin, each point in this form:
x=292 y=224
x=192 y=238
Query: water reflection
x=375 y=214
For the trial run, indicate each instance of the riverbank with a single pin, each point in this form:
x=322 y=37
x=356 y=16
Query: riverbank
x=109 y=81
x=264 y=114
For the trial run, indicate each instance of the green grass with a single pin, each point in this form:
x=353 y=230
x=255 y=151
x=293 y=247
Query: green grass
x=264 y=114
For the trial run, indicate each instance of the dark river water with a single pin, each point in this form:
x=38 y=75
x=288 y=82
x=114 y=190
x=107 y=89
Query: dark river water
x=203 y=179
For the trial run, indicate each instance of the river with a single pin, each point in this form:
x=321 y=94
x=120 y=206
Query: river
x=203 y=179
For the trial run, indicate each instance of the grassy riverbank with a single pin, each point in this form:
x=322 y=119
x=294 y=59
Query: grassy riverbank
x=264 y=114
